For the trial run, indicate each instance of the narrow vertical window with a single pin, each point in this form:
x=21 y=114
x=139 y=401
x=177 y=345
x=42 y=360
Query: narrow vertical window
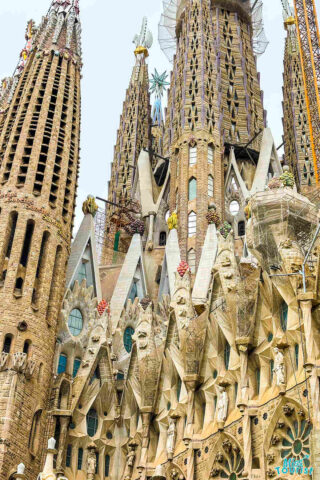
x=40 y=269
x=284 y=316
x=210 y=155
x=35 y=432
x=107 y=466
x=97 y=462
x=92 y=422
x=52 y=311
x=210 y=186
x=76 y=366
x=192 y=189
x=80 y=458
x=127 y=338
x=192 y=260
x=7 y=343
x=236 y=387
x=241 y=228
x=227 y=355
x=192 y=224
x=9 y=237
x=69 y=456
x=24 y=257
x=62 y=366
x=26 y=347
x=116 y=242
x=192 y=156
x=162 y=239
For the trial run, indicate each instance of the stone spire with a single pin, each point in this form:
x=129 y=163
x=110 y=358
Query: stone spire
x=133 y=135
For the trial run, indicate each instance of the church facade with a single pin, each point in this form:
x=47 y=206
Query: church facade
x=177 y=336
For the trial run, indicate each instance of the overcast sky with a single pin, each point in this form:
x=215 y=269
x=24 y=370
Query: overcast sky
x=108 y=30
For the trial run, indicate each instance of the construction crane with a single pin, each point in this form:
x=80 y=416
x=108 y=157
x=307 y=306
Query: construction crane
x=309 y=47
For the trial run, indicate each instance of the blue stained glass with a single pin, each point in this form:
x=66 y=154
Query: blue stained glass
x=227 y=355
x=80 y=458
x=69 y=456
x=133 y=292
x=284 y=316
x=75 y=322
x=192 y=189
x=127 y=338
x=76 y=366
x=62 y=366
x=107 y=466
x=82 y=273
x=92 y=422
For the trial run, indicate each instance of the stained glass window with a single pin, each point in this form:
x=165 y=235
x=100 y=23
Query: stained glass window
x=92 y=422
x=69 y=456
x=127 y=338
x=62 y=366
x=80 y=458
x=192 y=189
x=284 y=316
x=116 y=242
x=76 y=366
x=107 y=466
x=227 y=355
x=75 y=322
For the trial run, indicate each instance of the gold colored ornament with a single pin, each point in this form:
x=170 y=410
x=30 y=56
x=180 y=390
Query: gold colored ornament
x=173 y=221
x=141 y=50
x=90 y=206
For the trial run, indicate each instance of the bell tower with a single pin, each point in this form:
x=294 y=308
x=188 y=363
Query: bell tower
x=39 y=164
x=214 y=102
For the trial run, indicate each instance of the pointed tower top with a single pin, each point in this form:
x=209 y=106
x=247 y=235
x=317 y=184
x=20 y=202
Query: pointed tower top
x=143 y=41
x=158 y=84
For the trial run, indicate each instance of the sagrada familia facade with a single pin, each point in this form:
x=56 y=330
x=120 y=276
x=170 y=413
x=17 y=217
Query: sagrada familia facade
x=184 y=345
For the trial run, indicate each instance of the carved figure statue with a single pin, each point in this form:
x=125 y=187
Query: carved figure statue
x=91 y=463
x=131 y=457
x=171 y=438
x=279 y=367
x=222 y=405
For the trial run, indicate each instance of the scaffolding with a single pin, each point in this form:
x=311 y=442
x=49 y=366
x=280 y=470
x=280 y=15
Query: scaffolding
x=173 y=8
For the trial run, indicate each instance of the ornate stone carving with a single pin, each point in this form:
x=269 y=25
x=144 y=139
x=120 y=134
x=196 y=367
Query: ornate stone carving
x=130 y=460
x=279 y=367
x=288 y=410
x=19 y=361
x=222 y=405
x=4 y=357
x=171 y=438
x=91 y=462
x=30 y=367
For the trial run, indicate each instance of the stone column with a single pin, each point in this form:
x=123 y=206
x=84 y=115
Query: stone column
x=150 y=232
x=146 y=417
x=247 y=445
x=48 y=471
x=244 y=385
x=315 y=452
x=191 y=461
x=190 y=386
x=306 y=307
x=64 y=423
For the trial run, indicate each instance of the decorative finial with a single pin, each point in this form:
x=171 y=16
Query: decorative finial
x=158 y=83
x=173 y=221
x=143 y=41
x=89 y=206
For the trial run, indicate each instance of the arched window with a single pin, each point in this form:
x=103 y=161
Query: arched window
x=80 y=458
x=227 y=355
x=7 y=343
x=192 y=156
x=296 y=355
x=127 y=339
x=76 y=366
x=192 y=189
x=75 y=322
x=92 y=422
x=69 y=456
x=107 y=466
x=179 y=384
x=242 y=228
x=26 y=347
x=271 y=370
x=210 y=186
x=210 y=155
x=62 y=366
x=192 y=260
x=162 y=239
x=258 y=376
x=284 y=316
x=192 y=224
x=35 y=432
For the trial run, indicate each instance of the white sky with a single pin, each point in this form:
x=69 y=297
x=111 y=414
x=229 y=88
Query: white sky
x=108 y=59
